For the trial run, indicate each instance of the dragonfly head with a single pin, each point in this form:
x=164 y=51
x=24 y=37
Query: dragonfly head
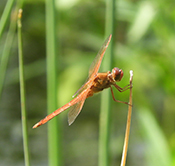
x=117 y=74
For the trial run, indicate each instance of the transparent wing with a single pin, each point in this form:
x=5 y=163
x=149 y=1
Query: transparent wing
x=83 y=87
x=75 y=109
x=94 y=68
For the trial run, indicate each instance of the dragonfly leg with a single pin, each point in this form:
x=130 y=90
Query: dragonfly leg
x=122 y=89
x=127 y=87
x=111 y=79
x=116 y=99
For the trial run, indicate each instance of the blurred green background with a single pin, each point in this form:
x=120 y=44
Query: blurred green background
x=144 y=42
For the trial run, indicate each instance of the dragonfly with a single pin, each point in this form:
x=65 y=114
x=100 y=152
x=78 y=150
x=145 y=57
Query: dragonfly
x=95 y=83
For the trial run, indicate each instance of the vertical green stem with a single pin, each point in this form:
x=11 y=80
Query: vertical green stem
x=5 y=15
x=7 y=48
x=53 y=126
x=106 y=96
x=22 y=92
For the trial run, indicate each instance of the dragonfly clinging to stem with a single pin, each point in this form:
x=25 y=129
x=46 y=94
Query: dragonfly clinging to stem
x=96 y=82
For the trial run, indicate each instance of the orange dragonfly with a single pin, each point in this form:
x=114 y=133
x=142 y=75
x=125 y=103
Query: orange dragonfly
x=96 y=82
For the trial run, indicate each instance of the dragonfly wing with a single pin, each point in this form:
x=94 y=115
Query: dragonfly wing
x=93 y=70
x=80 y=89
x=98 y=59
x=75 y=109
x=83 y=87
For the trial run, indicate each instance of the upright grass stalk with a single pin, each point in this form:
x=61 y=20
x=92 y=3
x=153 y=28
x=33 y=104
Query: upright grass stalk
x=5 y=15
x=22 y=91
x=106 y=97
x=7 y=47
x=54 y=144
x=125 y=147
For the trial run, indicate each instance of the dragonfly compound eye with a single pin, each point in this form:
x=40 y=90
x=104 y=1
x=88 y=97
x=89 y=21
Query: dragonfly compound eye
x=117 y=74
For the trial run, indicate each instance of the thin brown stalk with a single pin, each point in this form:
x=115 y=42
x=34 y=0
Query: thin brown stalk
x=128 y=125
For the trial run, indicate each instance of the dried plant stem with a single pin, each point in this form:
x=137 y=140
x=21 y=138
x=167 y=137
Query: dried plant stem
x=125 y=147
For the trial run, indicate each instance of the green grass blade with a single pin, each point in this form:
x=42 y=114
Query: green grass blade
x=53 y=126
x=22 y=92
x=7 y=49
x=157 y=150
x=5 y=15
x=106 y=96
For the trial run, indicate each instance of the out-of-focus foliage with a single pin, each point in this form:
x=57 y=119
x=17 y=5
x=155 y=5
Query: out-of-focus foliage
x=145 y=43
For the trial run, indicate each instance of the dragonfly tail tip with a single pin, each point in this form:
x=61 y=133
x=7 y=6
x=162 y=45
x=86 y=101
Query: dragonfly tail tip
x=36 y=125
